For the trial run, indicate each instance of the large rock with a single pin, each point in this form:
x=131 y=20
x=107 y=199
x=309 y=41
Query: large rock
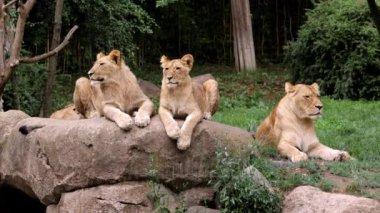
x=59 y=156
x=149 y=88
x=139 y=197
x=308 y=199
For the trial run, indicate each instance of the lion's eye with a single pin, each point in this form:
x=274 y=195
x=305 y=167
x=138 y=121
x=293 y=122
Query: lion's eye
x=166 y=68
x=101 y=64
x=306 y=96
x=177 y=68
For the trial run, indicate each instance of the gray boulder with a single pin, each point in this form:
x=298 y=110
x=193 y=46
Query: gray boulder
x=139 y=197
x=57 y=156
x=308 y=199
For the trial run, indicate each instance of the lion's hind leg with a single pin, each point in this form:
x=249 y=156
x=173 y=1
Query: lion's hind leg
x=212 y=98
x=82 y=98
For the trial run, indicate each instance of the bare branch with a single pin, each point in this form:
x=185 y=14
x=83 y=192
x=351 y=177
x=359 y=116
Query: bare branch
x=9 y=4
x=23 y=12
x=52 y=52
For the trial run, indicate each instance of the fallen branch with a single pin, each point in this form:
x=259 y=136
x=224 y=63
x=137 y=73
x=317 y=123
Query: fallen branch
x=52 y=52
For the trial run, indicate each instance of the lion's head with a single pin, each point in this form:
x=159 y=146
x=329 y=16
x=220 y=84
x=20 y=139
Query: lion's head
x=304 y=100
x=106 y=67
x=176 y=72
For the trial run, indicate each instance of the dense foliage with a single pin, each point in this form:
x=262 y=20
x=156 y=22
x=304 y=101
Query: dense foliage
x=237 y=191
x=339 y=48
x=24 y=91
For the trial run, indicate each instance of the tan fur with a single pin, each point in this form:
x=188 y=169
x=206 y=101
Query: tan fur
x=290 y=127
x=182 y=98
x=112 y=91
x=67 y=113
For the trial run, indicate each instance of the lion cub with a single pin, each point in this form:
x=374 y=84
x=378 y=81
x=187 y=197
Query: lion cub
x=290 y=127
x=112 y=91
x=182 y=98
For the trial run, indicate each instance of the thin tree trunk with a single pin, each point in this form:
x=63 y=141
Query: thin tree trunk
x=7 y=66
x=375 y=12
x=243 y=37
x=48 y=94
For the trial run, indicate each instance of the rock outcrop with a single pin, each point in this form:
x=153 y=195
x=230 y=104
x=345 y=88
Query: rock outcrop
x=311 y=199
x=56 y=157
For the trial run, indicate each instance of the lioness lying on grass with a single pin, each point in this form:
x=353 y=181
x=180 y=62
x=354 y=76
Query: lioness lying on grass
x=290 y=127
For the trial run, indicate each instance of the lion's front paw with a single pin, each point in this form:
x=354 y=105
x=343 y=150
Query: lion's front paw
x=142 y=121
x=207 y=115
x=301 y=156
x=342 y=156
x=174 y=132
x=124 y=122
x=183 y=142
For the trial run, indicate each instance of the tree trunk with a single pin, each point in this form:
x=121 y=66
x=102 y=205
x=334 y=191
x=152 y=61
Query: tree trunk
x=7 y=65
x=375 y=12
x=243 y=39
x=48 y=93
x=6 y=68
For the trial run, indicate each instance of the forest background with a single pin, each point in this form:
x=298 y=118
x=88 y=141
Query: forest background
x=335 y=43
x=143 y=31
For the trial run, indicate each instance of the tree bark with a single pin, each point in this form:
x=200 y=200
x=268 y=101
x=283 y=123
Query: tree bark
x=375 y=12
x=7 y=66
x=244 y=51
x=48 y=93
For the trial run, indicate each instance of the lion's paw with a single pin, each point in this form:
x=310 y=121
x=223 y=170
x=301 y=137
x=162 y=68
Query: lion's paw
x=301 y=156
x=142 y=121
x=183 y=142
x=342 y=156
x=124 y=122
x=207 y=115
x=174 y=132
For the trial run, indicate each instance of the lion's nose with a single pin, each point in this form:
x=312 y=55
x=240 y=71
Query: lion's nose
x=319 y=107
x=170 y=78
x=90 y=73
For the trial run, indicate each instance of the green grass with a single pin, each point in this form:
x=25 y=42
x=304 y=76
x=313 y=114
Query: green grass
x=348 y=125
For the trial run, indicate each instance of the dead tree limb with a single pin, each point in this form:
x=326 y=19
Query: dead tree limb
x=52 y=52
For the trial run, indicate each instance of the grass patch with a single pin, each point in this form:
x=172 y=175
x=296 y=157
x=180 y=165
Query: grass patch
x=247 y=98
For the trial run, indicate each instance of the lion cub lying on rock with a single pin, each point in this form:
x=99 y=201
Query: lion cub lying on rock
x=290 y=127
x=112 y=91
x=181 y=97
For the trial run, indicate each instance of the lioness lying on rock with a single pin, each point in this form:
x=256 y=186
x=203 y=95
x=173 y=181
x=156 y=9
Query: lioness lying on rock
x=290 y=127
x=112 y=91
x=183 y=98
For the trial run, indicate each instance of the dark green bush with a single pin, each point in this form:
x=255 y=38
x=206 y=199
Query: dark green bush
x=339 y=48
x=25 y=90
x=236 y=190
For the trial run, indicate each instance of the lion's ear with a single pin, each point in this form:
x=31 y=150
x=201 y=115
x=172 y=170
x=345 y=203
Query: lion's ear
x=115 y=56
x=289 y=88
x=188 y=60
x=163 y=60
x=99 y=55
x=315 y=86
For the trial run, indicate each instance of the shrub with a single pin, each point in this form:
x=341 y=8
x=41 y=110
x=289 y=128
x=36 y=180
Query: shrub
x=236 y=190
x=25 y=90
x=338 y=47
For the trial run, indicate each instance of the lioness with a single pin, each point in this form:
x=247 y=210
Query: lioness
x=67 y=113
x=181 y=97
x=112 y=91
x=290 y=127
